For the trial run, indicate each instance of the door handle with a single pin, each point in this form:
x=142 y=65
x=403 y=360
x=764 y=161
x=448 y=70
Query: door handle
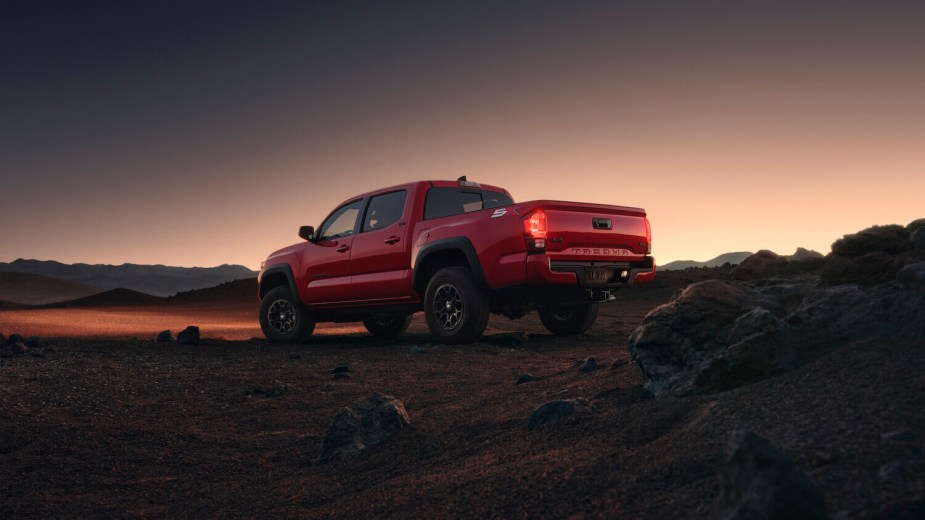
x=343 y=249
x=392 y=240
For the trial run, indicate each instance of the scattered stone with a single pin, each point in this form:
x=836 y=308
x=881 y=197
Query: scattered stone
x=19 y=348
x=341 y=375
x=13 y=339
x=552 y=411
x=618 y=362
x=189 y=336
x=525 y=378
x=164 y=336
x=295 y=356
x=891 y=472
x=268 y=392
x=760 y=482
x=589 y=365
x=901 y=436
x=34 y=342
x=418 y=350
x=340 y=368
x=364 y=424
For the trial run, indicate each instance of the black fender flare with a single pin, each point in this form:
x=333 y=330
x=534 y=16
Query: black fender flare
x=283 y=269
x=461 y=244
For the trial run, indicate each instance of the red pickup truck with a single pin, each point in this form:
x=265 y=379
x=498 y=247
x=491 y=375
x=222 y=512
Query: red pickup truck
x=456 y=250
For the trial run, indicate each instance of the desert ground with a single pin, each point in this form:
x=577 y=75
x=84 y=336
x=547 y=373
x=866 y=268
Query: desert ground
x=101 y=421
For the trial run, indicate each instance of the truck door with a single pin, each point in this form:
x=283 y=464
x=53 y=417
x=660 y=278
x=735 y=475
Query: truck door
x=326 y=266
x=380 y=262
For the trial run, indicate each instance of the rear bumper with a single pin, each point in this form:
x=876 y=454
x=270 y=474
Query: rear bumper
x=540 y=271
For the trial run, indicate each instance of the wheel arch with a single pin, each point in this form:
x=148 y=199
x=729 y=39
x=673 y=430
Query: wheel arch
x=279 y=275
x=446 y=252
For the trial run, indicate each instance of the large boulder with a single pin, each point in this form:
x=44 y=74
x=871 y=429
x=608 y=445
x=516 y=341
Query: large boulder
x=364 y=424
x=759 y=482
x=918 y=240
x=677 y=339
x=189 y=336
x=892 y=239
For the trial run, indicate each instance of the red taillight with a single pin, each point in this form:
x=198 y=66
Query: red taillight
x=648 y=237
x=535 y=225
x=535 y=232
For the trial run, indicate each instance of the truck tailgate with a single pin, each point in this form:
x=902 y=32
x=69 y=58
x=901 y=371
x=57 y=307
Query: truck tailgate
x=592 y=232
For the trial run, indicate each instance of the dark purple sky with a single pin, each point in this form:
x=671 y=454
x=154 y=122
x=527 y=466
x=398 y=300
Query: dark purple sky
x=201 y=133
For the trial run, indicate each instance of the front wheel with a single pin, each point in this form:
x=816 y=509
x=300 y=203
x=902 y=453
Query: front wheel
x=567 y=320
x=283 y=318
x=456 y=308
x=389 y=326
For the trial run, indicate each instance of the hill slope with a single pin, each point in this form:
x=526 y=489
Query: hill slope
x=33 y=289
x=732 y=258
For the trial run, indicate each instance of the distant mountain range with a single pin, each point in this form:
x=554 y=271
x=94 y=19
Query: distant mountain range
x=733 y=259
x=157 y=280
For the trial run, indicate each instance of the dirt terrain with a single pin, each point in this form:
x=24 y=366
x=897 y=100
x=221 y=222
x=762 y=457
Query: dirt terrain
x=100 y=424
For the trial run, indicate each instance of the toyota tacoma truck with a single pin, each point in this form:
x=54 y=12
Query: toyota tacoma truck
x=456 y=250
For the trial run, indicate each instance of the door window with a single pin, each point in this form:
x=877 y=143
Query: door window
x=384 y=210
x=342 y=222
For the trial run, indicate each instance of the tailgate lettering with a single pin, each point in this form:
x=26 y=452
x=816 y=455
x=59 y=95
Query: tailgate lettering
x=600 y=251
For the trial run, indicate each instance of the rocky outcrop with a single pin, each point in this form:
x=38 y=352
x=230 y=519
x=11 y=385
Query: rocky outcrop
x=759 y=482
x=366 y=423
x=164 y=336
x=718 y=335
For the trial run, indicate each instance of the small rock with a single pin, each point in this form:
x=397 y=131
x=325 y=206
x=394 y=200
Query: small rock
x=589 y=365
x=364 y=424
x=617 y=363
x=13 y=339
x=902 y=435
x=552 y=411
x=189 y=336
x=340 y=368
x=760 y=482
x=164 y=336
x=341 y=375
x=2 y=339
x=418 y=350
x=891 y=472
x=34 y=341
x=295 y=356
x=19 y=348
x=525 y=378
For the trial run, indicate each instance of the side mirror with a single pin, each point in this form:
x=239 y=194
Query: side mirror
x=307 y=232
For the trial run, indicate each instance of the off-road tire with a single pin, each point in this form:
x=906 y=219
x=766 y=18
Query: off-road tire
x=283 y=318
x=388 y=326
x=568 y=320
x=455 y=306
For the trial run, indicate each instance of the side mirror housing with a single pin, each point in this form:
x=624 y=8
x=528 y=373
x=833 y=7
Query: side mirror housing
x=307 y=232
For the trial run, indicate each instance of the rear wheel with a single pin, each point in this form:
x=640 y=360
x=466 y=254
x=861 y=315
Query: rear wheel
x=283 y=318
x=388 y=326
x=456 y=308
x=565 y=320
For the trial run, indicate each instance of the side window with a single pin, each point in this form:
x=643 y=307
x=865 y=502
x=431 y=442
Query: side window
x=443 y=202
x=342 y=222
x=384 y=210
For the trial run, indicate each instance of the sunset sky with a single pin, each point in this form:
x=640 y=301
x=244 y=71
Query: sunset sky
x=203 y=133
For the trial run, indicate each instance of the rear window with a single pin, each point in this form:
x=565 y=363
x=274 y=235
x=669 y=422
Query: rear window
x=443 y=202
